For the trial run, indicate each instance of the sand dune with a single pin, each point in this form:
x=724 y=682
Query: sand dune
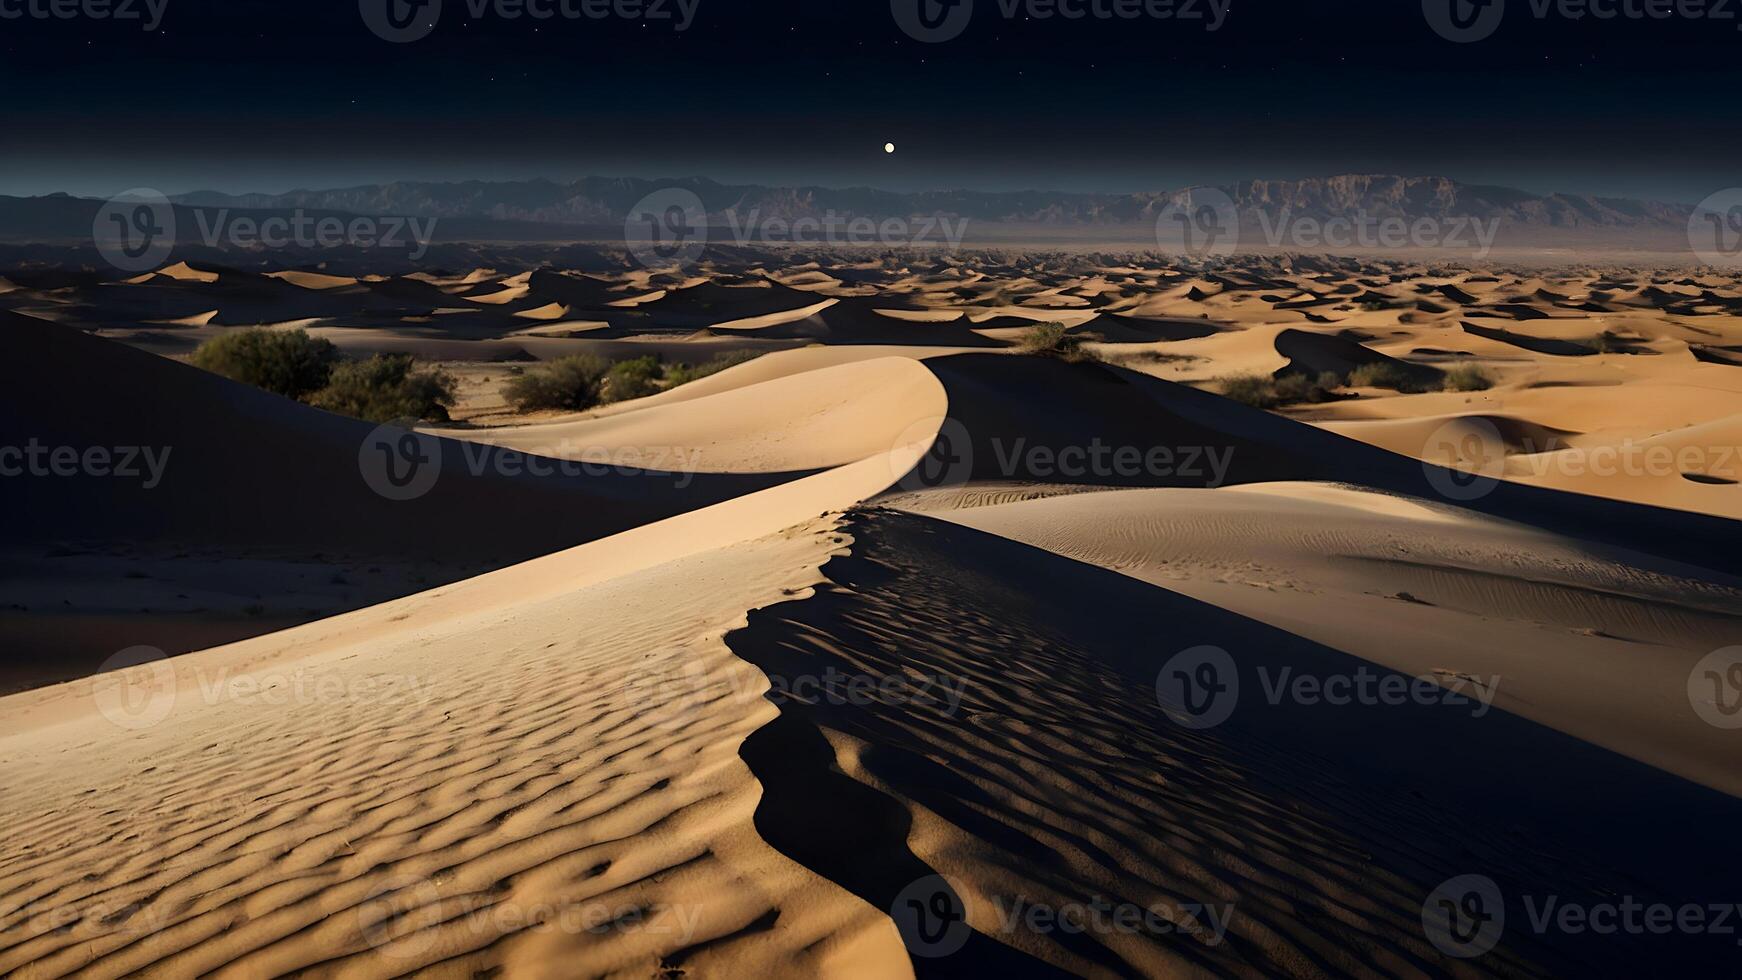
x=574 y=728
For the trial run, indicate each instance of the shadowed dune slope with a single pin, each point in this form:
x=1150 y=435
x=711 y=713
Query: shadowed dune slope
x=250 y=470
x=1054 y=778
x=1430 y=590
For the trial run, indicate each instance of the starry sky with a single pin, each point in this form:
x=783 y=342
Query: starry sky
x=271 y=95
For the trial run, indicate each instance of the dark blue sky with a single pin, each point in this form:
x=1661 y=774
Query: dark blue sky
x=242 y=95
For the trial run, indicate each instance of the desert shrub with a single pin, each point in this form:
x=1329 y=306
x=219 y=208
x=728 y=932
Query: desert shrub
x=288 y=362
x=683 y=374
x=634 y=378
x=1264 y=391
x=1387 y=374
x=1053 y=340
x=570 y=384
x=1608 y=342
x=386 y=389
x=1468 y=377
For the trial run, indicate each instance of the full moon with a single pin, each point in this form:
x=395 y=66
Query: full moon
x=889 y=148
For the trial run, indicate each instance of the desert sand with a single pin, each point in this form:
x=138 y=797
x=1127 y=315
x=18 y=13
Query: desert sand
x=579 y=731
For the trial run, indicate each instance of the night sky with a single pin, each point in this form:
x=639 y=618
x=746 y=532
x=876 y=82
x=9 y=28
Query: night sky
x=270 y=95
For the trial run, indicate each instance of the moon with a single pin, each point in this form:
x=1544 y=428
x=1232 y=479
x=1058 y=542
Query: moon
x=889 y=148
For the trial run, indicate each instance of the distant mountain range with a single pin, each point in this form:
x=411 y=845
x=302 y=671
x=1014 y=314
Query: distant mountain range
x=603 y=201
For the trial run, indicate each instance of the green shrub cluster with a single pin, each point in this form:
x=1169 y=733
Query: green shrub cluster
x=384 y=388
x=1053 y=340
x=581 y=381
x=287 y=362
x=1266 y=391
